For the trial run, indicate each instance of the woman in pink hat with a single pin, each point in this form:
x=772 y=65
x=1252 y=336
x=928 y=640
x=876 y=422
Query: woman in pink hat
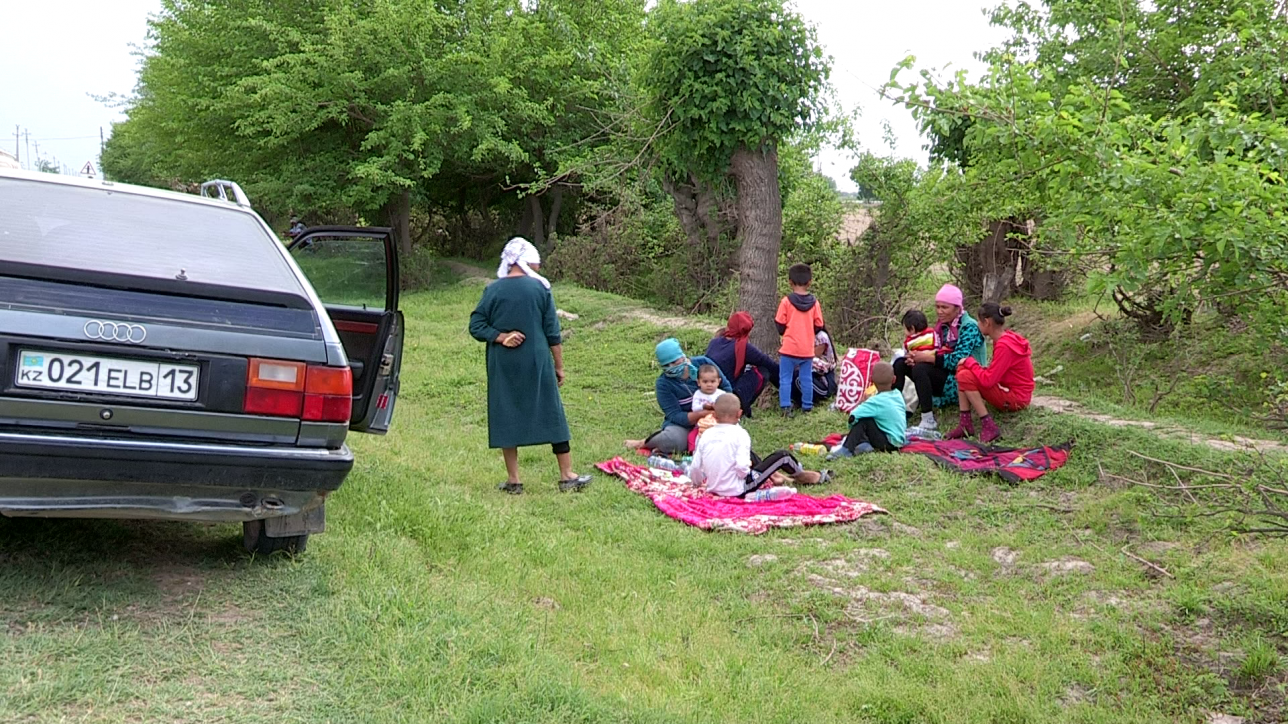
x=934 y=372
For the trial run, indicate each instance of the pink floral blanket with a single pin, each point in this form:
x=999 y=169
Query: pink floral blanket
x=678 y=499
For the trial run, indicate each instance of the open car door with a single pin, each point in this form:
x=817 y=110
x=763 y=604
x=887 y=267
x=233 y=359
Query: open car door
x=354 y=271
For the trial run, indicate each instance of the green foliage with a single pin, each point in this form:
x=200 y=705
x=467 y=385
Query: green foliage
x=812 y=208
x=866 y=284
x=1145 y=135
x=637 y=249
x=1277 y=400
x=342 y=106
x=633 y=244
x=728 y=74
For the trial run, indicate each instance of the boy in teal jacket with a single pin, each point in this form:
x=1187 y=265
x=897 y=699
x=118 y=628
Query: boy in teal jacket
x=880 y=423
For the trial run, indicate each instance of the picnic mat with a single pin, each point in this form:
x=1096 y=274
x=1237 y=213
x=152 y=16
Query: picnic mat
x=678 y=499
x=1013 y=465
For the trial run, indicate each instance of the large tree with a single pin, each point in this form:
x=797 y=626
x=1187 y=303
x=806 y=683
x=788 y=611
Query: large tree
x=371 y=107
x=726 y=82
x=1148 y=135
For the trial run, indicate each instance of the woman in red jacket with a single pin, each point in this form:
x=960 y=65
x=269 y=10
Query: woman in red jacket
x=1006 y=383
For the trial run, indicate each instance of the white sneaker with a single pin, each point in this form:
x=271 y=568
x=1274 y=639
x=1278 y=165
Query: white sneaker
x=923 y=433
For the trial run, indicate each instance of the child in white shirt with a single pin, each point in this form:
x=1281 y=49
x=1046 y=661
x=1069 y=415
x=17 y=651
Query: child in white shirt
x=724 y=464
x=708 y=388
x=705 y=398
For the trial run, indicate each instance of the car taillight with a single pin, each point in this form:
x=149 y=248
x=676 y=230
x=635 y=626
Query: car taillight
x=328 y=394
x=292 y=389
x=275 y=388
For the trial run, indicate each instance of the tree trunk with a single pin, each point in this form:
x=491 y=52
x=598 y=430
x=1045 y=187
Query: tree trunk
x=987 y=268
x=760 y=234
x=525 y=221
x=685 y=197
x=552 y=223
x=538 y=230
x=1040 y=279
x=398 y=216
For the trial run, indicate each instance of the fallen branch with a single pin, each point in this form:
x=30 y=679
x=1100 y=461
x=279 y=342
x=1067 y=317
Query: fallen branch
x=1177 y=476
x=1156 y=567
x=1181 y=467
x=1222 y=486
x=1055 y=508
x=829 y=655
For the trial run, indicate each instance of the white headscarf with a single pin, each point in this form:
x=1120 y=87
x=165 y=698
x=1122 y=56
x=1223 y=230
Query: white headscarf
x=521 y=251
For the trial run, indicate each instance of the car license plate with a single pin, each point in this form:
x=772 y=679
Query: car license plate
x=107 y=375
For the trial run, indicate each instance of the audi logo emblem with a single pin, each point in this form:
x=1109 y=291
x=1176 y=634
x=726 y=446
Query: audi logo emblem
x=116 y=331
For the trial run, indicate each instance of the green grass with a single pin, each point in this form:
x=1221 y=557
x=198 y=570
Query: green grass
x=432 y=597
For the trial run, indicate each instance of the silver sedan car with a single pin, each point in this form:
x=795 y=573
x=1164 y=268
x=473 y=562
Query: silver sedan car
x=164 y=355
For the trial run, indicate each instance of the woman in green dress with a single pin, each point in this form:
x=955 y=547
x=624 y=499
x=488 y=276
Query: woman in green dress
x=516 y=320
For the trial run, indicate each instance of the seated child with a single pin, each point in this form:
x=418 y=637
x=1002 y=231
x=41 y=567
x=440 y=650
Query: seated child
x=705 y=399
x=920 y=337
x=880 y=423
x=724 y=464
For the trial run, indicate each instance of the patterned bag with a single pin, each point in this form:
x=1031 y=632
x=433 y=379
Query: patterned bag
x=853 y=378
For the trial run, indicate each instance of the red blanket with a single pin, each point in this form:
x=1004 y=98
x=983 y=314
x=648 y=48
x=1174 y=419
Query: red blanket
x=1013 y=465
x=698 y=508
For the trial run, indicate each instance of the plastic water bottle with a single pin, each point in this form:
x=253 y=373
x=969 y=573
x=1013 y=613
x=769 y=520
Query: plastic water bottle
x=778 y=492
x=664 y=463
x=809 y=448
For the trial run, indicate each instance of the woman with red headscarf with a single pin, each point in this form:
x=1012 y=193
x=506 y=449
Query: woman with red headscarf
x=747 y=367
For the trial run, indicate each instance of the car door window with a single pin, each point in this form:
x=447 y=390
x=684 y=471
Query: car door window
x=347 y=271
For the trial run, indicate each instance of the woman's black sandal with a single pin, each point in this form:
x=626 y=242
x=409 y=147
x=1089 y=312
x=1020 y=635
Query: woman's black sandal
x=575 y=485
x=511 y=488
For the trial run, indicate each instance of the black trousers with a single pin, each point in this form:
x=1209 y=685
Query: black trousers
x=865 y=429
x=928 y=378
x=763 y=470
x=824 y=387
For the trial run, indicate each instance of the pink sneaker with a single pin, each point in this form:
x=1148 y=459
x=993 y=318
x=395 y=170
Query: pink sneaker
x=965 y=428
x=988 y=430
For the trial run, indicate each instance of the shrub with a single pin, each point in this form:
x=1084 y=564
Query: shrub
x=639 y=251
x=865 y=284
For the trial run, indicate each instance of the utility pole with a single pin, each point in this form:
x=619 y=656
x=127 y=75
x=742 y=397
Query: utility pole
x=17 y=133
x=27 y=135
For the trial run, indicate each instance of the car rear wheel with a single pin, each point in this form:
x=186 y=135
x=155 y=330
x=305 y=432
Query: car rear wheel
x=256 y=540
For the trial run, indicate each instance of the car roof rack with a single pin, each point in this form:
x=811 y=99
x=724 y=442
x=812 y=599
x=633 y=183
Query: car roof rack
x=220 y=189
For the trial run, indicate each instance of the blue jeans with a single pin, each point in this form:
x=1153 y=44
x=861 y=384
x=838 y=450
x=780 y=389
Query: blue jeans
x=787 y=370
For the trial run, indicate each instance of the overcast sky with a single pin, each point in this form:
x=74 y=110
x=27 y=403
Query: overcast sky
x=57 y=54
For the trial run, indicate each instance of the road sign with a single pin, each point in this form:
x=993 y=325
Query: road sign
x=88 y=169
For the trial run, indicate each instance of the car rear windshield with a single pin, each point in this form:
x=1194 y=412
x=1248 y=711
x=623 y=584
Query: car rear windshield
x=100 y=235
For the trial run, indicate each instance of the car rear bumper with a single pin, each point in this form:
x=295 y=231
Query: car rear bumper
x=55 y=475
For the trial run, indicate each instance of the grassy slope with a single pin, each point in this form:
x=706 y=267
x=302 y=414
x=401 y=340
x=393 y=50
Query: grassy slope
x=1218 y=373
x=434 y=598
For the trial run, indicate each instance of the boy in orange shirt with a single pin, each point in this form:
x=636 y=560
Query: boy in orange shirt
x=799 y=318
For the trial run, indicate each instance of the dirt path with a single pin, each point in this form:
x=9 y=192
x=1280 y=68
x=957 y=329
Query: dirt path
x=665 y=321
x=468 y=272
x=1234 y=444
